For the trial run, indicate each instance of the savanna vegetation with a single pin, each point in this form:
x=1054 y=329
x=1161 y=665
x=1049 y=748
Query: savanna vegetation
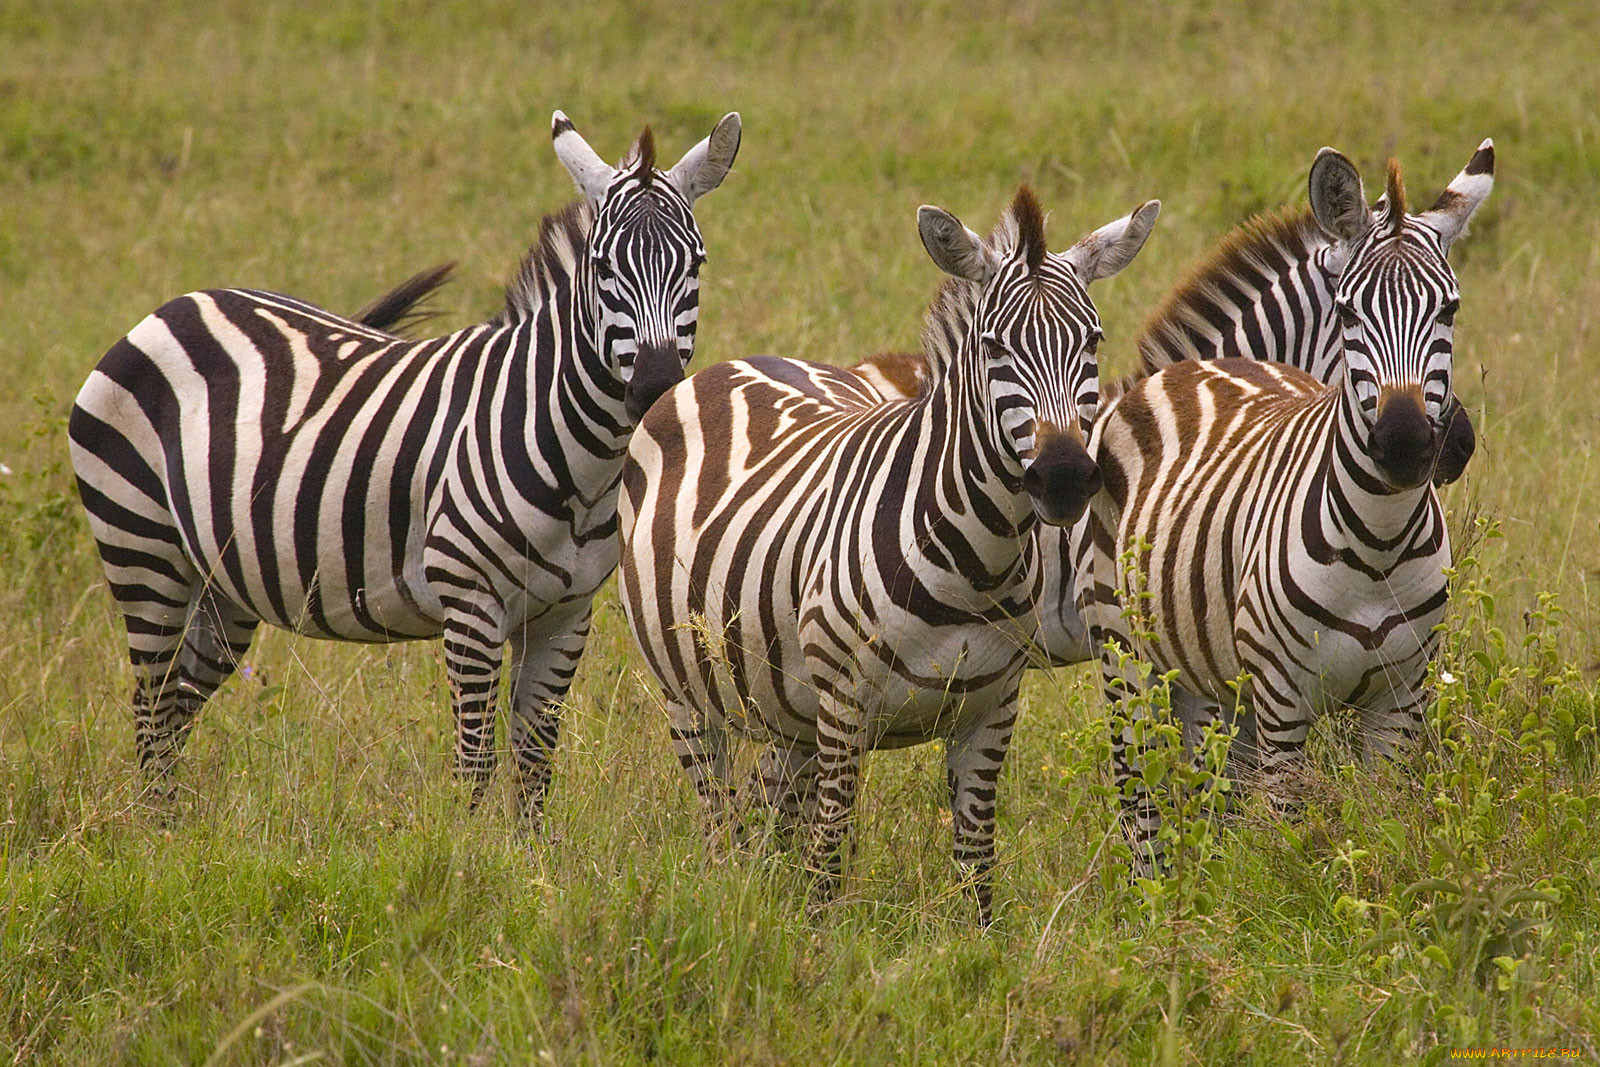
x=321 y=892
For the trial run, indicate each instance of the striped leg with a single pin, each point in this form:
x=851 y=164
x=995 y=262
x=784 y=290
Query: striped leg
x=544 y=658
x=784 y=779
x=1196 y=713
x=162 y=710
x=1388 y=723
x=155 y=588
x=178 y=670
x=472 y=656
x=973 y=763
x=217 y=637
x=1282 y=726
x=701 y=743
x=1141 y=817
x=841 y=744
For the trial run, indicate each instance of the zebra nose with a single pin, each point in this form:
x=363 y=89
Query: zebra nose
x=1061 y=479
x=1404 y=444
x=656 y=368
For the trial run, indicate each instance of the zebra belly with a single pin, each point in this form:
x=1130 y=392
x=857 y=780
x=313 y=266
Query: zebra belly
x=899 y=703
x=923 y=681
x=379 y=607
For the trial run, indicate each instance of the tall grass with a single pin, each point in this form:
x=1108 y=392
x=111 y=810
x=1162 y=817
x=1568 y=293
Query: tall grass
x=322 y=889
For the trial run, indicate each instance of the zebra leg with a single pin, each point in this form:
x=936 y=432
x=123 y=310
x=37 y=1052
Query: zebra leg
x=543 y=662
x=472 y=656
x=163 y=710
x=217 y=637
x=700 y=741
x=841 y=744
x=1196 y=713
x=1282 y=726
x=784 y=780
x=1388 y=724
x=1141 y=818
x=157 y=595
x=973 y=761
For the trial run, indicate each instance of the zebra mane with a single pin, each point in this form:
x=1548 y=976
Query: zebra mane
x=563 y=239
x=1394 y=195
x=1268 y=245
x=641 y=157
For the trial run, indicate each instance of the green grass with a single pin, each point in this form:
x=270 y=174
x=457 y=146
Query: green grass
x=323 y=891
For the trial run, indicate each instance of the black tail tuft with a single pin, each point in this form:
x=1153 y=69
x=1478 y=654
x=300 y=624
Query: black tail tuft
x=404 y=306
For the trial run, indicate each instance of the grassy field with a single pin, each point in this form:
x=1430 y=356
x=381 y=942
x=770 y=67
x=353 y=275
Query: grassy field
x=324 y=895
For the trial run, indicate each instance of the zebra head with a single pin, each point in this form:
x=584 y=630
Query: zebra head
x=645 y=252
x=1035 y=332
x=1396 y=299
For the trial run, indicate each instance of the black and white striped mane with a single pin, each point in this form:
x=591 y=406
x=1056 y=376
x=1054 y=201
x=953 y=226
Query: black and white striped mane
x=1268 y=245
x=550 y=263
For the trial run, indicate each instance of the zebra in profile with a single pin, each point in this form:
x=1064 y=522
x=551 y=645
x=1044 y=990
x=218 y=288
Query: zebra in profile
x=247 y=457
x=832 y=574
x=1286 y=531
x=1265 y=292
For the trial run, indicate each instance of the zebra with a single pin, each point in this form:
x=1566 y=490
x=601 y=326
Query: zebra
x=830 y=574
x=1266 y=292
x=1286 y=531
x=247 y=457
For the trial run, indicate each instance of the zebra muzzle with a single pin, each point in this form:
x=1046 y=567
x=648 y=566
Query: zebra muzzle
x=1404 y=444
x=1061 y=479
x=656 y=368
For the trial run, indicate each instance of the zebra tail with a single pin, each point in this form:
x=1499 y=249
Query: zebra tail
x=405 y=306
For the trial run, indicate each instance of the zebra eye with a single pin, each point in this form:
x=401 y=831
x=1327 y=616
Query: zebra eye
x=1347 y=315
x=1447 y=314
x=1092 y=346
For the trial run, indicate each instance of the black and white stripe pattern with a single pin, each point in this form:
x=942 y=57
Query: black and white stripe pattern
x=1265 y=292
x=830 y=574
x=1293 y=533
x=248 y=457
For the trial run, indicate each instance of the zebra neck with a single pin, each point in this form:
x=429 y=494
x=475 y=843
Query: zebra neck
x=1266 y=293
x=560 y=418
x=595 y=412
x=1356 y=509
x=973 y=503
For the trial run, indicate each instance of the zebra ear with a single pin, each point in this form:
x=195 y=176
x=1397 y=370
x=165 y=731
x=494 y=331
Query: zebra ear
x=1449 y=214
x=1113 y=246
x=591 y=173
x=955 y=249
x=1338 y=199
x=703 y=167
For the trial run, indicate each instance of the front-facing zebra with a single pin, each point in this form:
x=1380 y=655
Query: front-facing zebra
x=1284 y=531
x=1266 y=291
x=245 y=456
x=831 y=574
